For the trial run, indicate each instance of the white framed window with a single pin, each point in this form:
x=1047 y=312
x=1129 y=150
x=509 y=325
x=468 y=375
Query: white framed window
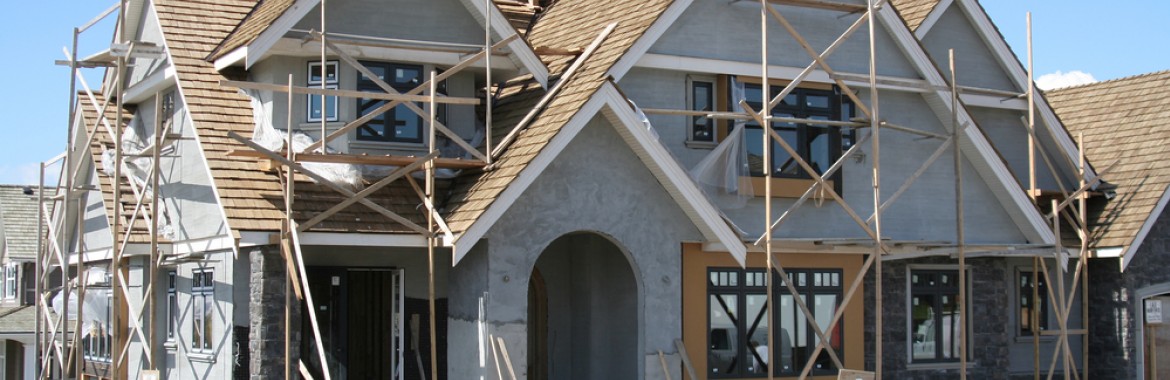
x=315 y=110
x=11 y=272
x=203 y=305
x=172 y=307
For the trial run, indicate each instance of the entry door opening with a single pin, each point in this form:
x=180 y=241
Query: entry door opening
x=360 y=311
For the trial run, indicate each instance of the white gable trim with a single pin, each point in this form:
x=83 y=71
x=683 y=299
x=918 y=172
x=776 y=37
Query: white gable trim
x=1015 y=69
x=254 y=51
x=521 y=51
x=990 y=167
x=932 y=18
x=614 y=106
x=648 y=39
x=1132 y=250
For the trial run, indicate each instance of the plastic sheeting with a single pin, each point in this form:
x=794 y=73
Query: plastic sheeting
x=137 y=167
x=95 y=311
x=723 y=173
x=265 y=134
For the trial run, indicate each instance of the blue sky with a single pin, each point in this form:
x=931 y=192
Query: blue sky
x=1106 y=40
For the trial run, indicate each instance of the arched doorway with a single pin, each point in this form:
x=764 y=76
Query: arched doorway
x=582 y=311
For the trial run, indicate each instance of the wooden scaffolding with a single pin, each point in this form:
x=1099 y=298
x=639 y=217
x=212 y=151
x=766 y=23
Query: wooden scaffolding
x=63 y=212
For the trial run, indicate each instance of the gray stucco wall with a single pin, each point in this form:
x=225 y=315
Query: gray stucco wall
x=595 y=185
x=1010 y=137
x=193 y=210
x=974 y=63
x=148 y=31
x=923 y=212
x=410 y=20
x=730 y=31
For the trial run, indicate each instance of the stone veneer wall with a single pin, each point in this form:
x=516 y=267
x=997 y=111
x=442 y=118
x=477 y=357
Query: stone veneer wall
x=266 y=315
x=1114 y=309
x=989 y=332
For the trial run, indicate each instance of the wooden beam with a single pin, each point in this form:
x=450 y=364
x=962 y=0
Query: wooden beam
x=549 y=50
x=346 y=93
x=362 y=159
x=402 y=171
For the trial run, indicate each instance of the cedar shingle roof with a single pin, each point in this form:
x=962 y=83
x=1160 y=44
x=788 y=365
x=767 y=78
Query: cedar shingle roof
x=18 y=220
x=913 y=12
x=1122 y=119
x=252 y=200
x=568 y=24
x=102 y=142
x=519 y=14
x=258 y=20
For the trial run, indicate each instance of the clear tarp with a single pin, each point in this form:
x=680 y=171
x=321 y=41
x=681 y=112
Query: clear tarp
x=724 y=174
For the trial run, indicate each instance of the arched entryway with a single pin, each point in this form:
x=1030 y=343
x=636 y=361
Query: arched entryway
x=582 y=311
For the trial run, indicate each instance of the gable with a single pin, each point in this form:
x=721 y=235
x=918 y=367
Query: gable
x=148 y=29
x=408 y=20
x=598 y=184
x=976 y=65
x=730 y=31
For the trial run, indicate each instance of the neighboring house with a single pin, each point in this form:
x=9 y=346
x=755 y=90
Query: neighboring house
x=1123 y=120
x=18 y=254
x=586 y=248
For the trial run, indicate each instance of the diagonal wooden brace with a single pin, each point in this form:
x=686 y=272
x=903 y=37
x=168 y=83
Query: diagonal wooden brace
x=322 y=180
x=398 y=173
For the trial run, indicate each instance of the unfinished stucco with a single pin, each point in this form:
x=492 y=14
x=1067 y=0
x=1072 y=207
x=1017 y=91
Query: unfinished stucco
x=975 y=64
x=411 y=20
x=731 y=31
x=595 y=185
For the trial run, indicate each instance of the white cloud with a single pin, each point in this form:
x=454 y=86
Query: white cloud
x=1061 y=79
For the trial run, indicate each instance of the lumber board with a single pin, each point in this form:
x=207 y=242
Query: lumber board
x=347 y=93
x=362 y=159
x=818 y=4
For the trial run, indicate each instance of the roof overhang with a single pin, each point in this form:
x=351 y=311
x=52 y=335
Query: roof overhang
x=609 y=102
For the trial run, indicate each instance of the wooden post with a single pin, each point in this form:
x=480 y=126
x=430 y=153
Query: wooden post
x=1031 y=119
x=431 y=236
x=1153 y=352
x=488 y=96
x=324 y=73
x=1035 y=318
x=289 y=188
x=959 y=238
x=766 y=116
x=875 y=127
x=1083 y=265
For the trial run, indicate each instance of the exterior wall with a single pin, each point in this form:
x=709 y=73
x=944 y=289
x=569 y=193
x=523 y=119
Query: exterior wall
x=179 y=360
x=460 y=118
x=148 y=31
x=975 y=64
x=193 y=210
x=730 y=31
x=1116 y=305
x=1010 y=137
x=411 y=20
x=915 y=216
x=595 y=185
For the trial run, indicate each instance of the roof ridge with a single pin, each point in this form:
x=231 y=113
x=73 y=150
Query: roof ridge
x=1109 y=81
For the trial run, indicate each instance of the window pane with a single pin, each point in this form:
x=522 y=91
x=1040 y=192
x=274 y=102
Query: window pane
x=197 y=323
x=723 y=346
x=922 y=326
x=950 y=327
x=315 y=72
x=407 y=125
x=1033 y=308
x=782 y=162
x=785 y=337
x=315 y=107
x=820 y=157
x=823 y=307
x=208 y=307
x=407 y=76
x=816 y=101
x=757 y=333
x=753 y=142
x=377 y=70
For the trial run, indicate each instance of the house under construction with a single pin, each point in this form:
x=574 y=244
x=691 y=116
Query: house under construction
x=571 y=189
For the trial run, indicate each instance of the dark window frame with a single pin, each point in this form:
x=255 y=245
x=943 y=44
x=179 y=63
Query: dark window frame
x=1024 y=287
x=743 y=288
x=938 y=290
x=838 y=108
x=702 y=128
x=366 y=132
x=172 y=305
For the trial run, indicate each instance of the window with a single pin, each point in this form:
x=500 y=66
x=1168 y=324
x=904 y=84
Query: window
x=314 y=101
x=1033 y=309
x=819 y=145
x=167 y=110
x=397 y=125
x=172 y=307
x=203 y=300
x=738 y=322
x=10 y=273
x=934 y=315
x=702 y=99
x=98 y=334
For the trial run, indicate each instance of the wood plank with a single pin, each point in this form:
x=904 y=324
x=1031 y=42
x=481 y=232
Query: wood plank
x=362 y=159
x=347 y=93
